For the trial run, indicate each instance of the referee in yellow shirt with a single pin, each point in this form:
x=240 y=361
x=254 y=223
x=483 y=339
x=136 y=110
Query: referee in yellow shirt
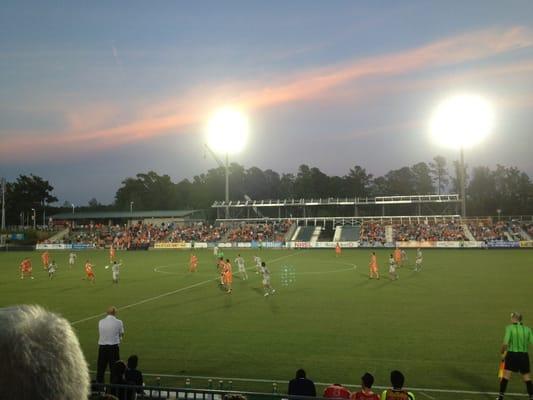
x=515 y=350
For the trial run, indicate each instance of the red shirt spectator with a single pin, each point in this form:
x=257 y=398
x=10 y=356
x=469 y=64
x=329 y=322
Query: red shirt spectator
x=337 y=391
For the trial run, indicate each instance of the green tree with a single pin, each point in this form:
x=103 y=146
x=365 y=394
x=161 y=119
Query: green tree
x=439 y=173
x=422 y=181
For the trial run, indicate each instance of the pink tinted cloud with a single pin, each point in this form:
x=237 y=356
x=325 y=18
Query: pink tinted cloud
x=172 y=115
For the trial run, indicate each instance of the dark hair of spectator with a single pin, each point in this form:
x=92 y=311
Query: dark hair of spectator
x=133 y=361
x=397 y=379
x=300 y=373
x=368 y=380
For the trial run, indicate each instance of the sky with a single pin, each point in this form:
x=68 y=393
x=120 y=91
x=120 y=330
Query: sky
x=94 y=92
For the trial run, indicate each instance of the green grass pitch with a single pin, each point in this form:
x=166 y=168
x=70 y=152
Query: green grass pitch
x=442 y=327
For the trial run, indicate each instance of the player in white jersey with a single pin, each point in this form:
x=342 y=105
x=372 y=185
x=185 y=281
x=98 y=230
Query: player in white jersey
x=267 y=286
x=52 y=267
x=242 y=269
x=258 y=264
x=71 y=259
x=419 y=259
x=403 y=255
x=393 y=275
x=215 y=251
x=115 y=268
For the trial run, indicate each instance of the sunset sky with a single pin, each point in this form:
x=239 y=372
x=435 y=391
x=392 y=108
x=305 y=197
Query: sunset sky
x=95 y=91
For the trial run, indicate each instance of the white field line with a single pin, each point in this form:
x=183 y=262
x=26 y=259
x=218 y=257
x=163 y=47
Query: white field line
x=167 y=294
x=415 y=389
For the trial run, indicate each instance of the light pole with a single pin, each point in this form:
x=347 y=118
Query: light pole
x=33 y=217
x=131 y=207
x=3 y=187
x=227 y=132
x=460 y=122
x=462 y=182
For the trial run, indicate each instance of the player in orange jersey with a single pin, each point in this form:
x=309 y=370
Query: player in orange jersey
x=89 y=272
x=111 y=254
x=228 y=276
x=397 y=257
x=26 y=269
x=374 y=269
x=220 y=267
x=193 y=263
x=338 y=250
x=45 y=258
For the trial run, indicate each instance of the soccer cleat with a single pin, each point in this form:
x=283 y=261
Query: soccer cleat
x=273 y=291
x=266 y=294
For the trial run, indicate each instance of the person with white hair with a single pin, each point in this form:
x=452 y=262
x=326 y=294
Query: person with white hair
x=41 y=356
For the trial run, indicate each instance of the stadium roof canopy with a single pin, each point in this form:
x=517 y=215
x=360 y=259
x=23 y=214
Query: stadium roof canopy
x=96 y=215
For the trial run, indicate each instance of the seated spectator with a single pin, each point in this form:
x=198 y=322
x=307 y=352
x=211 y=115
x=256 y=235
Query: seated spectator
x=336 y=391
x=397 y=392
x=41 y=356
x=366 y=393
x=119 y=378
x=301 y=386
x=133 y=375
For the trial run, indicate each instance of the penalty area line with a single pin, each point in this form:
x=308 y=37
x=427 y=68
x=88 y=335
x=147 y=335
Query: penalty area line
x=165 y=294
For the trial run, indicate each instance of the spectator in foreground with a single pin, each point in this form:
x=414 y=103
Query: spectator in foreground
x=336 y=391
x=397 y=392
x=118 y=378
x=41 y=356
x=133 y=375
x=301 y=386
x=366 y=393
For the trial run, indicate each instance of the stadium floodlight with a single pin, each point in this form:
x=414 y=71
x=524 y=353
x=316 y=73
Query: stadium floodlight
x=459 y=122
x=227 y=131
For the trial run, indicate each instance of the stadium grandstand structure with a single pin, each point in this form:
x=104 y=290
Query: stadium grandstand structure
x=305 y=209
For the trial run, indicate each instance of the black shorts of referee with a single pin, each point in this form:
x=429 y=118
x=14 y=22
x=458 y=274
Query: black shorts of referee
x=517 y=362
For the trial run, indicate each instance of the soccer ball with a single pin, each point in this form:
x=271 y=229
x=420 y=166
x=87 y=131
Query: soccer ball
x=106 y=267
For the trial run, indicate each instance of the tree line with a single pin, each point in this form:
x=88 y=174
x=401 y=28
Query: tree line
x=502 y=188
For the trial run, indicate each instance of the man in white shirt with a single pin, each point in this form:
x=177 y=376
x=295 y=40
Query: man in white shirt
x=111 y=332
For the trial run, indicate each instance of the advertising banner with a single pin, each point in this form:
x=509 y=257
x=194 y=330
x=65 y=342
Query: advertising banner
x=502 y=244
x=168 y=245
x=16 y=236
x=200 y=245
x=526 y=244
x=52 y=246
x=82 y=246
x=302 y=245
x=332 y=245
x=416 y=244
x=271 y=245
x=244 y=245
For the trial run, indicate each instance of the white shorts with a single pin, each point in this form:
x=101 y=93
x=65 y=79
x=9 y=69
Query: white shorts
x=392 y=269
x=266 y=281
x=115 y=276
x=242 y=268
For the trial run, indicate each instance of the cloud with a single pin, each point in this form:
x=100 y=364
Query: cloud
x=173 y=115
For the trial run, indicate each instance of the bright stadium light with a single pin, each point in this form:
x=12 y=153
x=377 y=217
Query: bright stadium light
x=460 y=122
x=227 y=131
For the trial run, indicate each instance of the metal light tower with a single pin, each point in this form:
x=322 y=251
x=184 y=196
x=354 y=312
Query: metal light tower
x=461 y=122
x=3 y=188
x=227 y=132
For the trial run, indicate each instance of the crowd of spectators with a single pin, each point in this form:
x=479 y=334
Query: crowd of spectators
x=486 y=230
x=429 y=231
x=372 y=233
x=268 y=232
x=197 y=233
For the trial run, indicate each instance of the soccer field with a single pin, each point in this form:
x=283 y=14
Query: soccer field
x=442 y=327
